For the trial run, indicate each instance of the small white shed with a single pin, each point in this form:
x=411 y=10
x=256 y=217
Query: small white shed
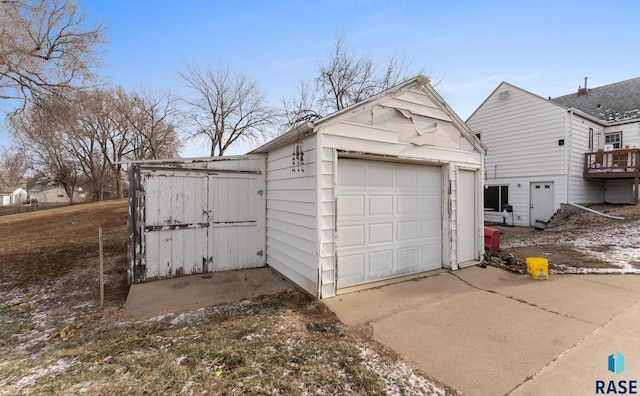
x=391 y=186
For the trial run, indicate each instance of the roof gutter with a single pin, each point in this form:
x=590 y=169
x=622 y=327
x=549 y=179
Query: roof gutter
x=287 y=137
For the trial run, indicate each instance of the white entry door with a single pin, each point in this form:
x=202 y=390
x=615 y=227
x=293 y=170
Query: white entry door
x=541 y=202
x=466 y=204
x=389 y=220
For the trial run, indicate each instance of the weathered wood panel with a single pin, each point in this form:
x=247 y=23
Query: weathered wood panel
x=196 y=216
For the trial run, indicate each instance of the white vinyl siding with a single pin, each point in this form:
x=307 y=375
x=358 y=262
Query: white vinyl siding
x=522 y=133
x=581 y=191
x=292 y=216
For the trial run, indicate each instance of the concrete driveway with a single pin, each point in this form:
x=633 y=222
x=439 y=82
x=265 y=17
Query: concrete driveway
x=490 y=332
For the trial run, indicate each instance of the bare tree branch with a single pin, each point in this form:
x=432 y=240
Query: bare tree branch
x=44 y=46
x=343 y=79
x=226 y=108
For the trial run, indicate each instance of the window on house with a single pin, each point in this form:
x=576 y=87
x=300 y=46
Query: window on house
x=590 y=139
x=478 y=135
x=495 y=197
x=614 y=138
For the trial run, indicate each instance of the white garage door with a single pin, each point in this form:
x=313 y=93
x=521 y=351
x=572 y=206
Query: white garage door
x=389 y=220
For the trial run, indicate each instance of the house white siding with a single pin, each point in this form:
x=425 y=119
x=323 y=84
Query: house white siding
x=523 y=133
x=292 y=215
x=581 y=191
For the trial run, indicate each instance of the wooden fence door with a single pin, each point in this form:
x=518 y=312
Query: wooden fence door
x=191 y=220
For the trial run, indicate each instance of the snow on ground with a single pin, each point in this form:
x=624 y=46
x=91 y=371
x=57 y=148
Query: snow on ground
x=399 y=378
x=617 y=245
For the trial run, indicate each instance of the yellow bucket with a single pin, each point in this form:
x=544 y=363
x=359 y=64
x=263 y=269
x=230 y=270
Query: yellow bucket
x=538 y=268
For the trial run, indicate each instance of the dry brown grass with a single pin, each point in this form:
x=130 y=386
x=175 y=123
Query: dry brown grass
x=54 y=339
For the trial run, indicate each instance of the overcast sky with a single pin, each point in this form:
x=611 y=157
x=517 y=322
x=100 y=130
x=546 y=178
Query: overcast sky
x=545 y=47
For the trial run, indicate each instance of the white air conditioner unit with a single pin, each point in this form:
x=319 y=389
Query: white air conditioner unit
x=608 y=147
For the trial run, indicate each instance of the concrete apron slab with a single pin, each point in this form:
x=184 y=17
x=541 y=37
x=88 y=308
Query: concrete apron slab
x=486 y=331
x=197 y=291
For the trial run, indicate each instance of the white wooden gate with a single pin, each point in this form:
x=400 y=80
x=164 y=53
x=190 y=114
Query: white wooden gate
x=196 y=217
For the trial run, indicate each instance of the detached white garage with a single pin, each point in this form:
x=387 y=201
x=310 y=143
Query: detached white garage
x=389 y=187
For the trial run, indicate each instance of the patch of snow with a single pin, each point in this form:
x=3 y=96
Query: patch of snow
x=399 y=377
x=618 y=246
x=59 y=367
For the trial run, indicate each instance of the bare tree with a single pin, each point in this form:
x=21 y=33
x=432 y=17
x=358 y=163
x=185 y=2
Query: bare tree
x=151 y=117
x=44 y=46
x=344 y=79
x=85 y=136
x=226 y=108
x=44 y=146
x=13 y=168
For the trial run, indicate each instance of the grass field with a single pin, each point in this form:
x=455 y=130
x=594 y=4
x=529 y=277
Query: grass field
x=55 y=339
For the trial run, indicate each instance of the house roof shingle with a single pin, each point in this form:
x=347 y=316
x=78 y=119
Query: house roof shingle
x=611 y=103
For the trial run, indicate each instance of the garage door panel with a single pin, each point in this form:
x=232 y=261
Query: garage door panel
x=407 y=204
x=352 y=236
x=352 y=266
x=352 y=176
x=380 y=205
x=407 y=231
x=408 y=258
x=351 y=206
x=380 y=233
x=400 y=215
x=380 y=262
x=406 y=178
x=380 y=177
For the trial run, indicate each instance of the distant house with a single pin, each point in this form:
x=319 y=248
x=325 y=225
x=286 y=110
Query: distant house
x=54 y=195
x=12 y=195
x=579 y=148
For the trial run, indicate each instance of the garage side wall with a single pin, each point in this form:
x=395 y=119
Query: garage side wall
x=292 y=236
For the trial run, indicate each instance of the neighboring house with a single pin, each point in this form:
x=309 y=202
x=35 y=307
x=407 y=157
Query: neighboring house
x=54 y=195
x=580 y=148
x=12 y=195
x=386 y=188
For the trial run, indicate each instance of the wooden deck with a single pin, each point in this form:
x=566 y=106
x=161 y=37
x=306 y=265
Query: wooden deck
x=615 y=164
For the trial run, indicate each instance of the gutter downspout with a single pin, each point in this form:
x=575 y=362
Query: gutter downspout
x=568 y=139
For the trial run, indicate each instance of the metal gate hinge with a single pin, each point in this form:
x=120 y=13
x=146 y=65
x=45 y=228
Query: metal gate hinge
x=260 y=253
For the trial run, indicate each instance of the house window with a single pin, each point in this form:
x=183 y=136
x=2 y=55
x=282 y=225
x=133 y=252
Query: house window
x=479 y=136
x=590 y=139
x=495 y=197
x=614 y=138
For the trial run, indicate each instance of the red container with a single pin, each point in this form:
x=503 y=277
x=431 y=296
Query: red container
x=491 y=239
